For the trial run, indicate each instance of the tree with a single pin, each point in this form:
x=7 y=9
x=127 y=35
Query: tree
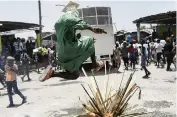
x=142 y=27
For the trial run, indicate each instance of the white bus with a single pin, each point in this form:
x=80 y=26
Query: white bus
x=99 y=17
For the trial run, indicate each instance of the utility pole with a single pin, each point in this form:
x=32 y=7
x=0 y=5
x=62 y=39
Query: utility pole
x=40 y=20
x=115 y=27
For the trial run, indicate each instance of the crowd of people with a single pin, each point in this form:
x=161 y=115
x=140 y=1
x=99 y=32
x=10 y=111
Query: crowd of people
x=144 y=53
x=19 y=54
x=159 y=52
x=73 y=50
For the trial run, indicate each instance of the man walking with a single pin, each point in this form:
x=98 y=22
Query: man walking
x=11 y=80
x=144 y=59
x=169 y=54
x=25 y=59
x=116 y=54
x=132 y=55
x=125 y=55
x=159 y=48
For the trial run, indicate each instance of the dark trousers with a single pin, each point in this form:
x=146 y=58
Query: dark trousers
x=17 y=56
x=26 y=70
x=146 y=70
x=159 y=54
x=125 y=59
x=169 y=60
x=13 y=85
x=132 y=60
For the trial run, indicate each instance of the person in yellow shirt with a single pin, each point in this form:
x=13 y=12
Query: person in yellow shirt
x=44 y=51
x=11 y=80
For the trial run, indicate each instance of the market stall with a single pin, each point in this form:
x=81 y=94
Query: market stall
x=10 y=28
x=168 y=18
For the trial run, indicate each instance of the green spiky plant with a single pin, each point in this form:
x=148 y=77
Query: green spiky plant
x=112 y=104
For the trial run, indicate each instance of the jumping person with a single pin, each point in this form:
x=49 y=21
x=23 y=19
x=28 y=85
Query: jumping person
x=73 y=51
x=11 y=80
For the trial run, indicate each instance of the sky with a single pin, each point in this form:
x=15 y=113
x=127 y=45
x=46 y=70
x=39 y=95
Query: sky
x=123 y=12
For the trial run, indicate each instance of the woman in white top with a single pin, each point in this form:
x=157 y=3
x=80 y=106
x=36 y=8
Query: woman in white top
x=159 y=48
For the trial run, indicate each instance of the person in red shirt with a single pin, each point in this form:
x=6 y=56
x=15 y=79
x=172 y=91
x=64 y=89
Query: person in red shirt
x=131 y=51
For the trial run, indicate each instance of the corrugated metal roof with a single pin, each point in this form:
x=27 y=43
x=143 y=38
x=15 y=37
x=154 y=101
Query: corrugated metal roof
x=7 y=26
x=161 y=18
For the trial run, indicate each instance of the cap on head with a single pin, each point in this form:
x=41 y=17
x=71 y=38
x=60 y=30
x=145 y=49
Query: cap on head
x=70 y=6
x=10 y=58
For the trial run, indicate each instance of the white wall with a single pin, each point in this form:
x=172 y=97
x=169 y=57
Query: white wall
x=104 y=42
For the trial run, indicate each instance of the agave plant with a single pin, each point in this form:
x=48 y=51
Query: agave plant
x=110 y=104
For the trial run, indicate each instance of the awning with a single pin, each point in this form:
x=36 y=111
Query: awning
x=119 y=35
x=48 y=37
x=10 y=26
x=148 y=31
x=161 y=18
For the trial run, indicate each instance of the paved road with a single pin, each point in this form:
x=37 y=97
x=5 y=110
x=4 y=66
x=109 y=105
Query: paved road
x=56 y=98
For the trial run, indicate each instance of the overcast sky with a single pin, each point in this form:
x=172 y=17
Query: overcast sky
x=123 y=12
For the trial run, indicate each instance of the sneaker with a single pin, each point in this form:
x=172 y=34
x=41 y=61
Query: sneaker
x=24 y=100
x=29 y=79
x=13 y=93
x=10 y=106
x=169 y=70
x=149 y=73
x=146 y=76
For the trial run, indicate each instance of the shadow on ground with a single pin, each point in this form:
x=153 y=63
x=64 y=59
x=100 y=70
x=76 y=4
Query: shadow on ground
x=100 y=73
x=25 y=89
x=152 y=114
x=157 y=104
x=159 y=114
x=65 y=112
x=64 y=83
x=72 y=111
x=171 y=81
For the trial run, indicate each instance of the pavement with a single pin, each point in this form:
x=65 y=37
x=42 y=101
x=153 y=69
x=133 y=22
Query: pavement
x=58 y=98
